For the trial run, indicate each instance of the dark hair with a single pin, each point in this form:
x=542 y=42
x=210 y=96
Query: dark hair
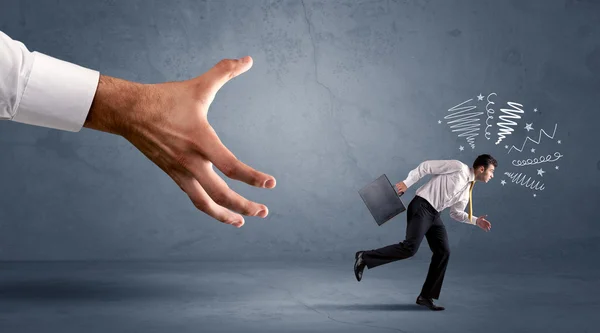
x=485 y=160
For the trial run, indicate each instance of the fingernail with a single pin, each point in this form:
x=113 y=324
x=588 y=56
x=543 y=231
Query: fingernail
x=238 y=223
x=269 y=183
x=262 y=213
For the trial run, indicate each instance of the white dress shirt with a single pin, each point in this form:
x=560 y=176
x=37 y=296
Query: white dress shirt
x=40 y=90
x=448 y=186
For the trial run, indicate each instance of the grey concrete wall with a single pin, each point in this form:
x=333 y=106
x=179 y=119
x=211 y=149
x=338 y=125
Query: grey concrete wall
x=340 y=92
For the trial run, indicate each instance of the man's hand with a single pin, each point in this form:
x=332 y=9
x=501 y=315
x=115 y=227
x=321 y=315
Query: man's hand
x=483 y=223
x=401 y=188
x=168 y=123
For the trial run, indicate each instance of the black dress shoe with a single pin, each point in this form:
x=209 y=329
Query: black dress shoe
x=428 y=302
x=359 y=265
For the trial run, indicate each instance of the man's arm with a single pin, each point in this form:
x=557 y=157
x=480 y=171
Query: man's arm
x=167 y=122
x=39 y=90
x=457 y=212
x=432 y=167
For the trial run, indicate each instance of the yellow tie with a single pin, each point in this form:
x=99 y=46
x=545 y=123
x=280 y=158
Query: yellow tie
x=471 y=201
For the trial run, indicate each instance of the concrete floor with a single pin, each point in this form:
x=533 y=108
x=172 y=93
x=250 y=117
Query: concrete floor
x=289 y=297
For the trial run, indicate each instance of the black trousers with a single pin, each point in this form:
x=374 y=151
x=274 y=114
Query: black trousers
x=422 y=220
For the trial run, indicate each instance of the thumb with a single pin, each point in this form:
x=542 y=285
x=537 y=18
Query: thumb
x=225 y=70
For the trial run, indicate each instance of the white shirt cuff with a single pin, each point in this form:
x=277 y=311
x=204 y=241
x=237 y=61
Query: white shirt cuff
x=473 y=220
x=57 y=95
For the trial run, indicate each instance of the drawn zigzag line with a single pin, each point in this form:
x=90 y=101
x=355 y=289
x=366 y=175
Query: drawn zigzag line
x=536 y=142
x=505 y=128
x=466 y=123
x=519 y=179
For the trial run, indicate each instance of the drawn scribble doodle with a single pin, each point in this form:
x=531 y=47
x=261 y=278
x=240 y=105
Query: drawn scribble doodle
x=541 y=159
x=536 y=142
x=504 y=126
x=465 y=122
x=519 y=179
x=490 y=112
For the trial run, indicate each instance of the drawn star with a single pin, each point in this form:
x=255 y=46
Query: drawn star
x=439 y=121
x=503 y=182
x=535 y=110
x=506 y=146
x=533 y=150
x=558 y=141
x=480 y=97
x=461 y=148
x=541 y=172
x=528 y=127
x=556 y=167
x=534 y=195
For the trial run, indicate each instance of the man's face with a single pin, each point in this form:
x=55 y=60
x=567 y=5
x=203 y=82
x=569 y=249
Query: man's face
x=486 y=174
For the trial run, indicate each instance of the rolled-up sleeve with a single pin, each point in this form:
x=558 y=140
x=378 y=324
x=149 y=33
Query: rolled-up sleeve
x=40 y=90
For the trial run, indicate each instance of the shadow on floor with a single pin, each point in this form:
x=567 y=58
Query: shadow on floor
x=369 y=307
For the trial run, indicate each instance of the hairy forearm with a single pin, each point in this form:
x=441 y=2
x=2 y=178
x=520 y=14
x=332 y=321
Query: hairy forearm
x=114 y=107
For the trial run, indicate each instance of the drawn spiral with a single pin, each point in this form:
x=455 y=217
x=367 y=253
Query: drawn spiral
x=537 y=160
x=465 y=122
x=490 y=112
x=519 y=179
x=504 y=126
